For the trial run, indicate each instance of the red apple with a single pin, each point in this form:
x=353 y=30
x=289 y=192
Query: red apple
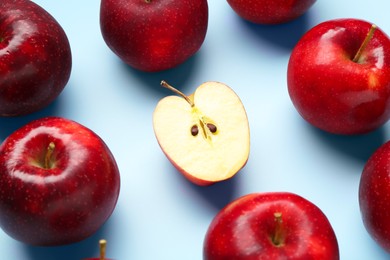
x=59 y=182
x=35 y=58
x=154 y=35
x=270 y=11
x=339 y=76
x=275 y=225
x=374 y=196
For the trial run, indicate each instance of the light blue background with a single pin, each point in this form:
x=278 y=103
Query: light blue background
x=160 y=215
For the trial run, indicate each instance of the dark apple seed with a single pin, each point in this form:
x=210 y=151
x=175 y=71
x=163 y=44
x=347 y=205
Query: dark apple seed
x=194 y=130
x=212 y=128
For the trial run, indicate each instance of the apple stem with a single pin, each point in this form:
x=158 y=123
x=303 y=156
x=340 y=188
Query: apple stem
x=368 y=38
x=102 y=246
x=278 y=237
x=166 y=85
x=49 y=153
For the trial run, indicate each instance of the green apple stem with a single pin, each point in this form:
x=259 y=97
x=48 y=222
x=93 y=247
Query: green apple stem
x=166 y=85
x=368 y=38
x=48 y=156
x=102 y=246
x=278 y=237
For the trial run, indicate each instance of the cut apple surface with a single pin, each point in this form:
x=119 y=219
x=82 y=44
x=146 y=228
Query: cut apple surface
x=204 y=135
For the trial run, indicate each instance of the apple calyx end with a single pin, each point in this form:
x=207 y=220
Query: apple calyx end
x=178 y=92
x=102 y=248
x=278 y=237
x=48 y=157
x=368 y=38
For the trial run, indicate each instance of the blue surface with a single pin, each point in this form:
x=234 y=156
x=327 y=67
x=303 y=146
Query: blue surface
x=162 y=216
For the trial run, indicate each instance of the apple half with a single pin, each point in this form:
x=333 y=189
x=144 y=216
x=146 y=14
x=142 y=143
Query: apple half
x=204 y=135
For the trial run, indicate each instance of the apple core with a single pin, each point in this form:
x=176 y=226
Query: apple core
x=205 y=124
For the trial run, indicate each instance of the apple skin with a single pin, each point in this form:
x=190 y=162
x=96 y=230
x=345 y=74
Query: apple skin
x=35 y=58
x=154 y=35
x=329 y=89
x=243 y=230
x=64 y=203
x=374 y=200
x=270 y=11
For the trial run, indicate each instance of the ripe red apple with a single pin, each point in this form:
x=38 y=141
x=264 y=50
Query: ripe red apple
x=339 y=76
x=275 y=225
x=35 y=58
x=154 y=35
x=59 y=182
x=374 y=199
x=270 y=11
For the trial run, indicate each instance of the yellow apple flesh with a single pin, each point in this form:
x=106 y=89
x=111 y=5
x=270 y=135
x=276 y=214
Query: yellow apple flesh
x=206 y=135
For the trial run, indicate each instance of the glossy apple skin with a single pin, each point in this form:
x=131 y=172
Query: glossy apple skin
x=154 y=36
x=332 y=92
x=270 y=11
x=66 y=203
x=243 y=230
x=35 y=58
x=374 y=200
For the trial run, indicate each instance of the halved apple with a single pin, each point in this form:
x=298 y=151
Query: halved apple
x=204 y=135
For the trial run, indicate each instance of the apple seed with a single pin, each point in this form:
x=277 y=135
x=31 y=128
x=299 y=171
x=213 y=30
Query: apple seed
x=212 y=127
x=194 y=130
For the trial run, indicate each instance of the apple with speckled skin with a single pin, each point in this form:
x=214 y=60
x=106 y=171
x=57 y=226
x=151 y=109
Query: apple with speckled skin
x=35 y=58
x=270 y=11
x=154 y=35
x=374 y=197
x=59 y=182
x=339 y=76
x=273 y=225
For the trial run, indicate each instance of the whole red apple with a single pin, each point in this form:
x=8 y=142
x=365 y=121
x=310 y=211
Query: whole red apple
x=154 y=35
x=374 y=200
x=59 y=182
x=339 y=76
x=35 y=58
x=274 y=225
x=270 y=11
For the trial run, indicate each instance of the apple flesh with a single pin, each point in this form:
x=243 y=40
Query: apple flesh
x=154 y=35
x=204 y=135
x=270 y=11
x=274 y=225
x=374 y=197
x=35 y=58
x=339 y=76
x=59 y=182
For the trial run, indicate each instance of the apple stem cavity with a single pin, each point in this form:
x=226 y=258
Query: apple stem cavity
x=368 y=38
x=48 y=157
x=102 y=246
x=148 y=1
x=278 y=236
x=166 y=85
